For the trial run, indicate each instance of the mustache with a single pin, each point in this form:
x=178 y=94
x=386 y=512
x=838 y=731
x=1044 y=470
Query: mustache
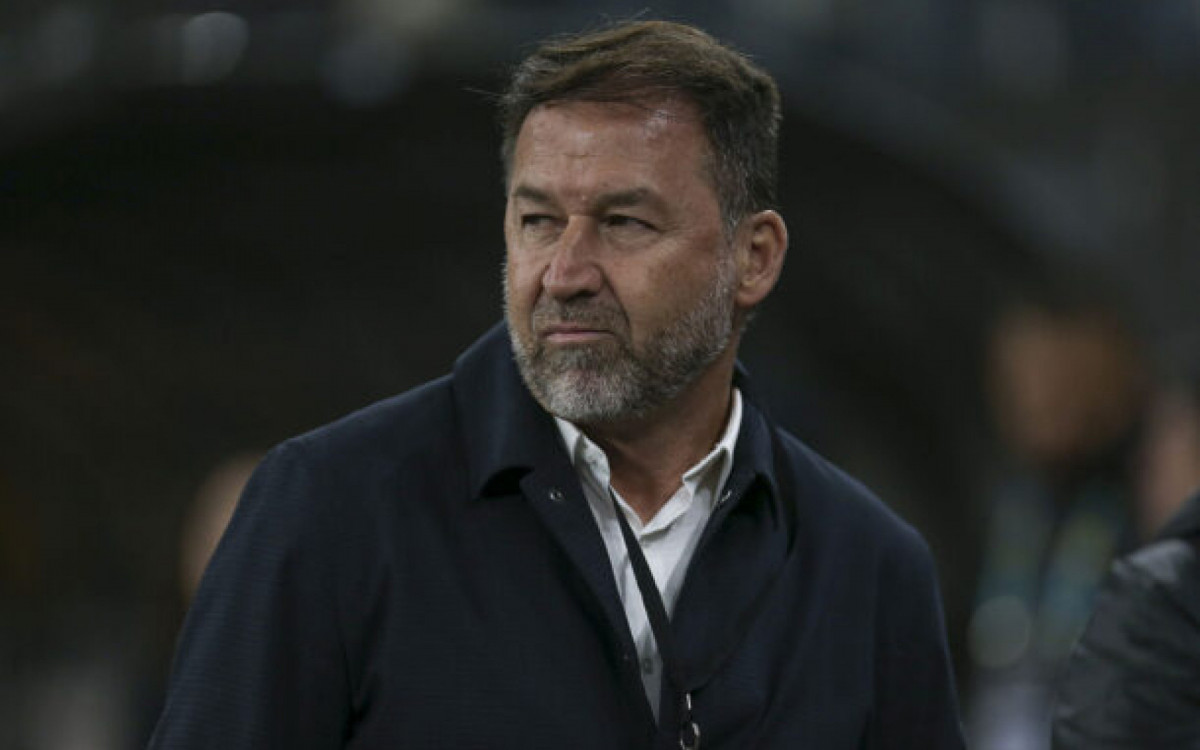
x=590 y=313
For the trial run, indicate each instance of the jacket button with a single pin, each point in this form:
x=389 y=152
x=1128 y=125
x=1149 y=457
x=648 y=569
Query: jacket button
x=556 y=495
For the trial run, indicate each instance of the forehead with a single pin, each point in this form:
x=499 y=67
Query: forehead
x=566 y=142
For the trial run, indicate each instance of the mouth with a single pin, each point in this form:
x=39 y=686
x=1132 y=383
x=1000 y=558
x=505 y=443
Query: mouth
x=572 y=333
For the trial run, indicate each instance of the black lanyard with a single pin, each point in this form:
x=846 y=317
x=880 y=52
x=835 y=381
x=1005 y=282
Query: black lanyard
x=689 y=730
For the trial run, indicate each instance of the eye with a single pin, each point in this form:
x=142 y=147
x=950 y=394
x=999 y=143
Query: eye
x=628 y=228
x=536 y=221
x=540 y=228
x=622 y=221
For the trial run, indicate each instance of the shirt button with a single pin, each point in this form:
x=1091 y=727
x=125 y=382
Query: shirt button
x=647 y=665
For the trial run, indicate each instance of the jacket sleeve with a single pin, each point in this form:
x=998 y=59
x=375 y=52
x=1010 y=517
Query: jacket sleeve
x=916 y=705
x=1133 y=680
x=259 y=663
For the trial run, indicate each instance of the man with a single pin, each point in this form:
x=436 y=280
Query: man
x=1066 y=387
x=589 y=535
x=1133 y=680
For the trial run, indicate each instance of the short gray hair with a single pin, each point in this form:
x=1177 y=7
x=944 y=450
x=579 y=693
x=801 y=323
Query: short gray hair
x=639 y=60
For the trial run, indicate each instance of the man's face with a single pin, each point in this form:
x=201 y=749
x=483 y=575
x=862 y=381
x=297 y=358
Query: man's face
x=619 y=284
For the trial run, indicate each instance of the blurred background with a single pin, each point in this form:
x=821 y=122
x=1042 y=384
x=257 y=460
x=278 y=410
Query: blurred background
x=224 y=224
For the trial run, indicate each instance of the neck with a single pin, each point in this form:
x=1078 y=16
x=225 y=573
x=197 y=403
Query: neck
x=647 y=457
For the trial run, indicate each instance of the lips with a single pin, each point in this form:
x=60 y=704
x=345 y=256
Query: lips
x=572 y=333
x=568 y=328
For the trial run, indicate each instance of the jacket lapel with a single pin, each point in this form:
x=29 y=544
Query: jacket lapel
x=737 y=560
x=512 y=445
x=555 y=495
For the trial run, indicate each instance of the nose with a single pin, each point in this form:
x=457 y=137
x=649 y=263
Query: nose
x=573 y=270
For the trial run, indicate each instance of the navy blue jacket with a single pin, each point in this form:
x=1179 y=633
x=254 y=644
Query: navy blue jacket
x=426 y=573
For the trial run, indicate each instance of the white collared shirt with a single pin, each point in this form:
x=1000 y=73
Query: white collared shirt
x=667 y=541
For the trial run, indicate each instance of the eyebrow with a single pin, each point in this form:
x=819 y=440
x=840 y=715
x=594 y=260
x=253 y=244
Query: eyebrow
x=628 y=198
x=532 y=194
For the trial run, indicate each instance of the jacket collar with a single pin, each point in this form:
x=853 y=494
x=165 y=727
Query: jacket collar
x=507 y=434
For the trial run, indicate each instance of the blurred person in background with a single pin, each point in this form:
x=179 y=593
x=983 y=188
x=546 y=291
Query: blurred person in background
x=504 y=557
x=1133 y=680
x=208 y=516
x=1170 y=453
x=1067 y=389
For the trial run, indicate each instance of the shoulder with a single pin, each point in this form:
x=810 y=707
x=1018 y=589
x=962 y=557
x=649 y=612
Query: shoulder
x=419 y=418
x=368 y=459
x=407 y=439
x=857 y=542
x=876 y=570
x=1133 y=672
x=1166 y=564
x=840 y=505
x=1153 y=594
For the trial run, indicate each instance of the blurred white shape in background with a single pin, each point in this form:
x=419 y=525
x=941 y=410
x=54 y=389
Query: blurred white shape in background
x=212 y=45
x=209 y=515
x=80 y=703
x=406 y=16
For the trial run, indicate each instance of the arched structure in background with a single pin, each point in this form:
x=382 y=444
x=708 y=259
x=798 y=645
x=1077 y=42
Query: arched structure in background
x=206 y=260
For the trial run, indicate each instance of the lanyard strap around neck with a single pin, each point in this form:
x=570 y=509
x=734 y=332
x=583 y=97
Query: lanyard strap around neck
x=660 y=625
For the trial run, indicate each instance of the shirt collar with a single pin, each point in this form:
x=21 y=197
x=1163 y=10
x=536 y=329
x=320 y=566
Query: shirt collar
x=586 y=456
x=505 y=434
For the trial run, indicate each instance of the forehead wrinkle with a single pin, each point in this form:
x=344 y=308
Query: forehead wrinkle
x=531 y=194
x=563 y=140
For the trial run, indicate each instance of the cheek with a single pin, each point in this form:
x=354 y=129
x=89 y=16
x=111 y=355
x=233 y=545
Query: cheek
x=656 y=297
x=523 y=281
x=648 y=295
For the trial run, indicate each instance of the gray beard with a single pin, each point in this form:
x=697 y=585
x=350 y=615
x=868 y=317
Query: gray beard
x=612 y=381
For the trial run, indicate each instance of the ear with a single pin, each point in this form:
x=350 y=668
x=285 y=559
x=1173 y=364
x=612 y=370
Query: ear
x=761 y=249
